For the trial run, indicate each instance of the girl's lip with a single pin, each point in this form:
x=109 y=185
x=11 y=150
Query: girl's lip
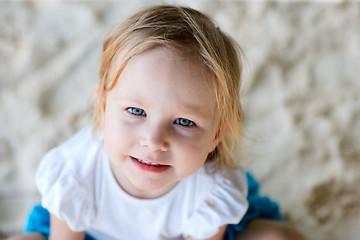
x=149 y=166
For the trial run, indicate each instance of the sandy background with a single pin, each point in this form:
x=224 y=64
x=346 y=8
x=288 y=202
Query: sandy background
x=302 y=99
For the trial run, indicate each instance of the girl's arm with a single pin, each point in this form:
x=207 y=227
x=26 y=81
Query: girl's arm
x=218 y=236
x=59 y=230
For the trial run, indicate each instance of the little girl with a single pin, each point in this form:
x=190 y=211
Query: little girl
x=158 y=162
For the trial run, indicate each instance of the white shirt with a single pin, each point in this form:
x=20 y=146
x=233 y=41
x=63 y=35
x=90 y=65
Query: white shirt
x=77 y=185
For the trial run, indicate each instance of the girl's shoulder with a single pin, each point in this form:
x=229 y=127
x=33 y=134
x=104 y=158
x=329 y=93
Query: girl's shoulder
x=219 y=199
x=77 y=154
x=65 y=177
x=208 y=185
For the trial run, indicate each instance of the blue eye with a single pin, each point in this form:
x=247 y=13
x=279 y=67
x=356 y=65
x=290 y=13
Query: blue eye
x=136 y=111
x=184 y=122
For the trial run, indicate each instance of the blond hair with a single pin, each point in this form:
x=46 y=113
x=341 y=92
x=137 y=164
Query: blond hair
x=192 y=33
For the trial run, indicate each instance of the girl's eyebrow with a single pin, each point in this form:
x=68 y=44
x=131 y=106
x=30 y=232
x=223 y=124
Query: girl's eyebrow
x=196 y=110
x=132 y=100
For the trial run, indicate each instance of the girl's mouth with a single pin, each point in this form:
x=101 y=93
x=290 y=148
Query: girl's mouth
x=148 y=163
x=149 y=166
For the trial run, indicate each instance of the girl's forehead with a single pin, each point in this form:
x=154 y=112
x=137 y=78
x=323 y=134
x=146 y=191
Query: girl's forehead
x=127 y=55
x=169 y=64
x=160 y=71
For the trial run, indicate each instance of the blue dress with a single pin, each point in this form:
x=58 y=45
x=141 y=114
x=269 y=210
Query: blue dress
x=260 y=207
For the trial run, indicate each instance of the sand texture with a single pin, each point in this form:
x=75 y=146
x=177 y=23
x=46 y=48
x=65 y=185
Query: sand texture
x=301 y=99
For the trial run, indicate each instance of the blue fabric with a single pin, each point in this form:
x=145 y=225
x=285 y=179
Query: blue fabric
x=39 y=221
x=260 y=207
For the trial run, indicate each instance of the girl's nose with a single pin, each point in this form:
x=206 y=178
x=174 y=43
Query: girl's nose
x=155 y=139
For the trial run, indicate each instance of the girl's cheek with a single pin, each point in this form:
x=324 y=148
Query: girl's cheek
x=189 y=145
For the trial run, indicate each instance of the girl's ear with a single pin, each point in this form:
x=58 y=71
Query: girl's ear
x=103 y=103
x=101 y=100
x=218 y=137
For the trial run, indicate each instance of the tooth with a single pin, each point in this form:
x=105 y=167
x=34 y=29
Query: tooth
x=148 y=163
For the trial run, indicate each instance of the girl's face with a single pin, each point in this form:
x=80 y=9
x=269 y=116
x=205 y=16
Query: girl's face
x=160 y=122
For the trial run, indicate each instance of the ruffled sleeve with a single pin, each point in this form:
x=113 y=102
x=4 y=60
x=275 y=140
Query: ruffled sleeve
x=62 y=193
x=225 y=203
